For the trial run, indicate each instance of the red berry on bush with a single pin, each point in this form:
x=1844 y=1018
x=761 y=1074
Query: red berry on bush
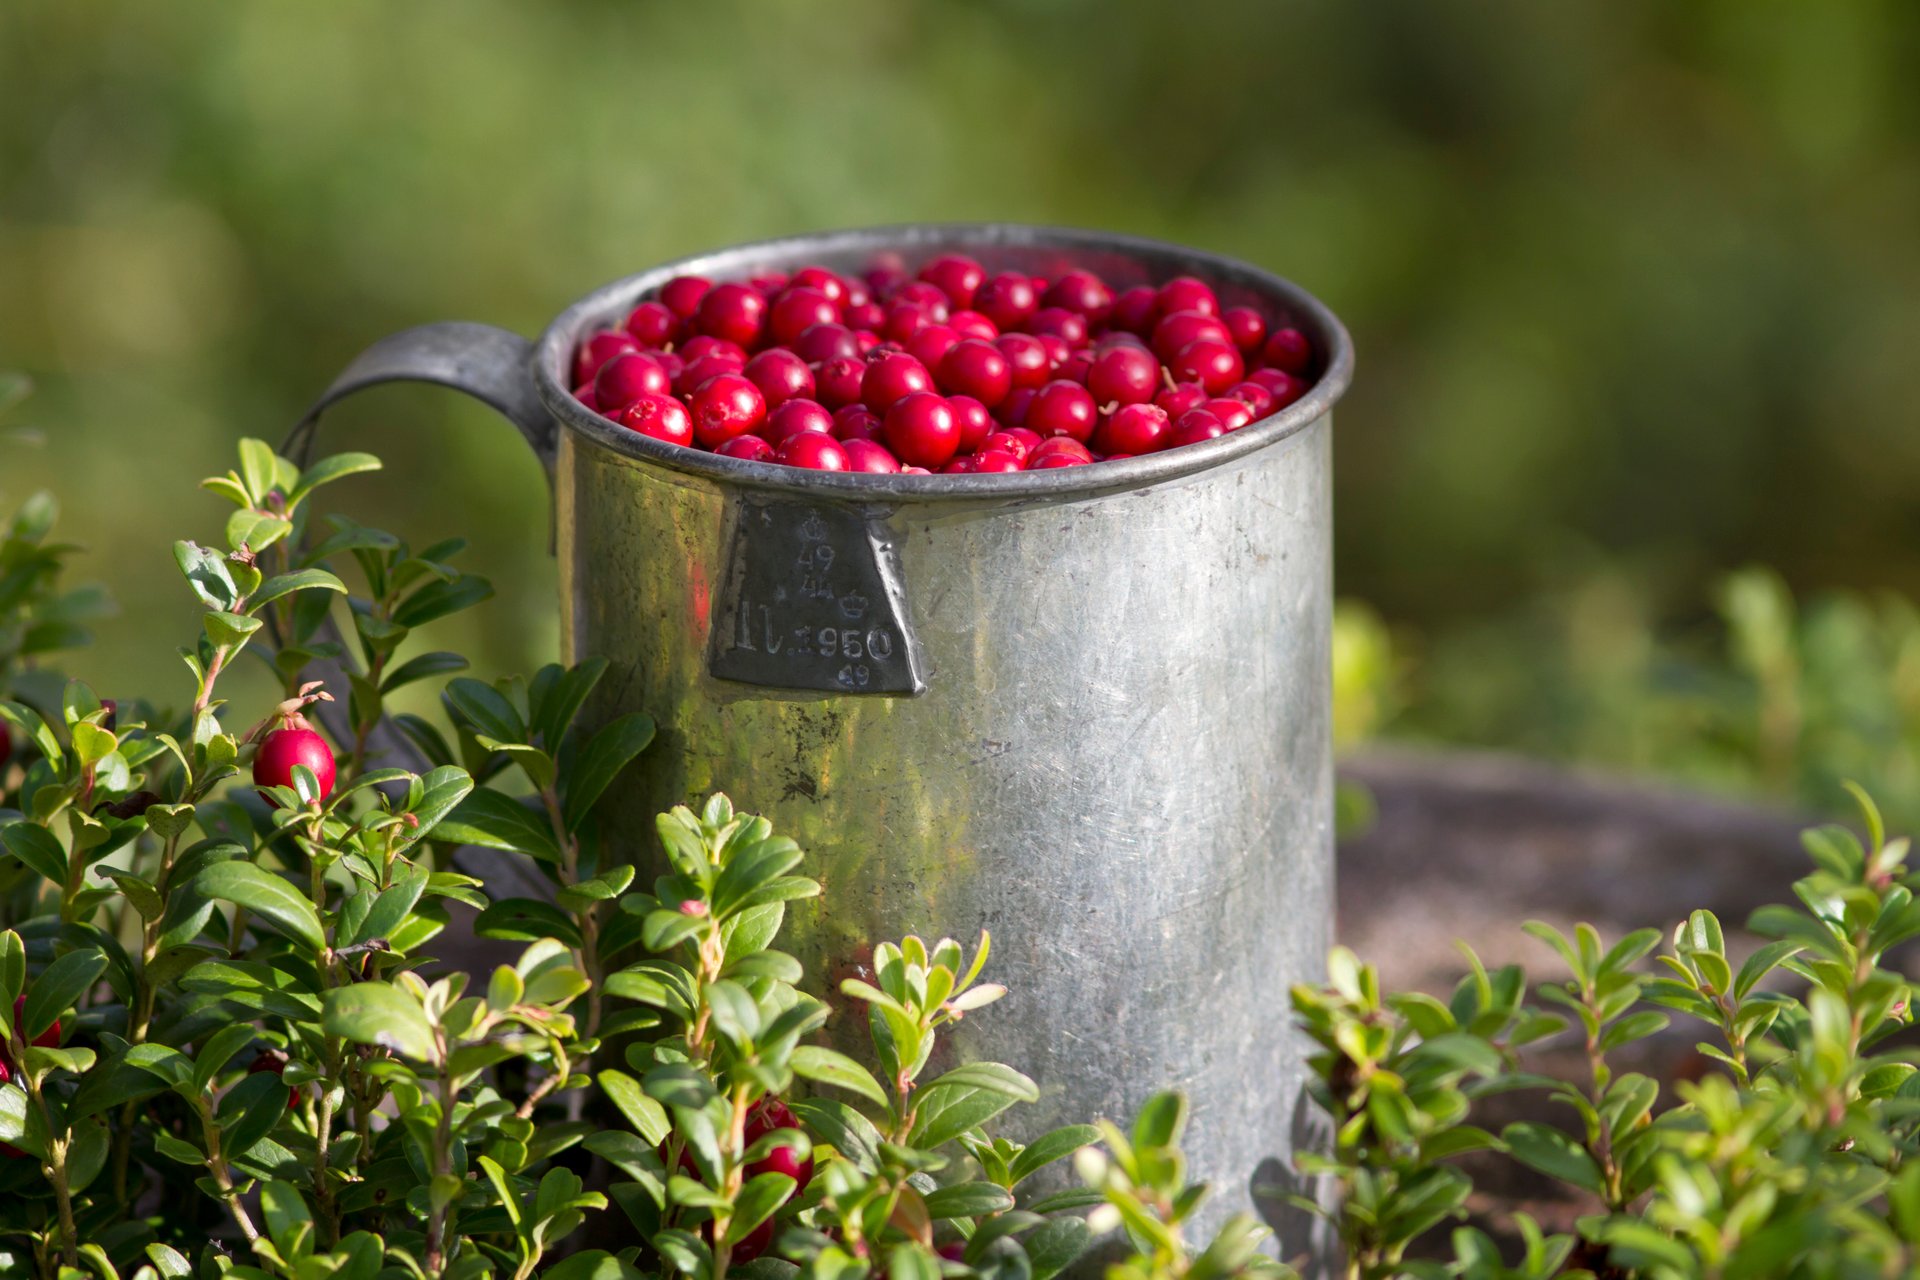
x=781 y=376
x=286 y=747
x=48 y=1039
x=892 y=378
x=734 y=312
x=725 y=406
x=812 y=451
x=273 y=1062
x=661 y=417
x=921 y=429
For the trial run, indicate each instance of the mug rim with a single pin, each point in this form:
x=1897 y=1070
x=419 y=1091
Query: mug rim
x=553 y=352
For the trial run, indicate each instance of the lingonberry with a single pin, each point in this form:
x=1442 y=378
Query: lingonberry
x=1285 y=387
x=931 y=342
x=975 y=419
x=682 y=294
x=1076 y=366
x=904 y=319
x=1026 y=358
x=837 y=382
x=1133 y=310
x=672 y=361
x=855 y=422
x=1181 y=397
x=584 y=394
x=1058 y=447
x=885 y=273
x=653 y=324
x=696 y=373
x=1248 y=327
x=914 y=471
x=781 y=376
x=1213 y=364
x=921 y=429
x=971 y=324
x=1288 y=350
x=1134 y=429
x=725 y=406
x=964 y=465
x=660 y=417
x=955 y=275
x=989 y=461
x=1007 y=299
x=1060 y=322
x=768 y=284
x=977 y=368
x=1056 y=348
x=892 y=378
x=599 y=349
x=751 y=448
x=1233 y=414
x=1196 y=425
x=796 y=416
x=812 y=451
x=626 y=378
x=1123 y=375
x=735 y=312
x=871 y=457
x=929 y=298
x=1255 y=396
x=1012 y=412
x=1175 y=331
x=704 y=346
x=825 y=281
x=1016 y=444
x=864 y=315
x=1117 y=338
x=826 y=342
x=291 y=745
x=1056 y=460
x=1084 y=292
x=6 y=746
x=798 y=309
x=1184 y=293
x=1063 y=408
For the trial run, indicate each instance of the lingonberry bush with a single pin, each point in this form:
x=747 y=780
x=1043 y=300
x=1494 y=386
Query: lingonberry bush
x=235 y=1046
x=1793 y=1155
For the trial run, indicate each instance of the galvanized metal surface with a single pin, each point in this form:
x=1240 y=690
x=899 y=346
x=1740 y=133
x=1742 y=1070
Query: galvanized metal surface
x=1120 y=760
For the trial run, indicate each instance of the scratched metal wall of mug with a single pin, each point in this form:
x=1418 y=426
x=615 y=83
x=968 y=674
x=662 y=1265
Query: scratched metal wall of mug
x=1120 y=766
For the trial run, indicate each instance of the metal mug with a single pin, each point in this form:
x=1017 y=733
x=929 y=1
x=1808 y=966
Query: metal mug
x=1086 y=709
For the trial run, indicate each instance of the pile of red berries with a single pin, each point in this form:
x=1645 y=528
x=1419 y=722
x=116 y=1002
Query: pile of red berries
x=952 y=370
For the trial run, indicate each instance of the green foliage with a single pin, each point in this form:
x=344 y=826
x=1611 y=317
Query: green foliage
x=1794 y=1156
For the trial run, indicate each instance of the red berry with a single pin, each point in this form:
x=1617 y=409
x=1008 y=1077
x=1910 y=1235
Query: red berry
x=903 y=321
x=826 y=342
x=1026 y=357
x=1058 y=447
x=1076 y=366
x=624 y=379
x=1123 y=375
x=971 y=324
x=975 y=419
x=892 y=378
x=1016 y=444
x=855 y=422
x=751 y=448
x=871 y=457
x=1213 y=364
x=682 y=294
x=284 y=748
x=1288 y=350
x=798 y=309
x=599 y=349
x=991 y=461
x=929 y=298
x=1063 y=408
x=769 y=284
x=1233 y=414
x=931 y=342
x=1255 y=396
x=781 y=376
x=1285 y=387
x=653 y=324
x=1054 y=460
x=1084 y=292
x=1184 y=293
x=964 y=465
x=921 y=429
x=672 y=361
x=1181 y=397
x=864 y=315
x=914 y=471
x=1056 y=348
x=1134 y=311
x=794 y=417
x=6 y=746
x=976 y=368
x=825 y=281
x=1196 y=425
x=1182 y=327
x=885 y=273
x=705 y=345
x=1069 y=326
x=734 y=312
x=955 y=275
x=697 y=372
x=1118 y=338
x=837 y=382
x=725 y=406
x=1248 y=327
x=661 y=417
x=1008 y=300
x=754 y=1243
x=583 y=393
x=1012 y=411
x=812 y=451
x=1135 y=429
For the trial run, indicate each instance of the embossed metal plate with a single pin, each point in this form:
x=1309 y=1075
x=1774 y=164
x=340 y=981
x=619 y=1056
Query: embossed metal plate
x=812 y=600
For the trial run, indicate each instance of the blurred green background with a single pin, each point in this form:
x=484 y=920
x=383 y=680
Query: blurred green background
x=1634 y=285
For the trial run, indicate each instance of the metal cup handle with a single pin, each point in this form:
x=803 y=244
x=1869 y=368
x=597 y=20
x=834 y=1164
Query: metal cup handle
x=490 y=364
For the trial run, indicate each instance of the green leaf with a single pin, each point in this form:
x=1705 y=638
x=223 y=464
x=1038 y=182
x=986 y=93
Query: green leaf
x=37 y=847
x=846 y=1130
x=945 y=1111
x=227 y=630
x=287 y=583
x=249 y=1111
x=327 y=470
x=648 y=1117
x=392 y=906
x=828 y=1066
x=1058 y=1244
x=757 y=1201
x=600 y=762
x=145 y=898
x=268 y=896
x=58 y=987
x=206 y=572
x=424 y=667
x=255 y=531
x=1048 y=1147
x=526 y=920
x=495 y=821
x=1635 y=1026
x=1553 y=1153
x=593 y=1264
x=999 y=1078
x=259 y=467
x=968 y=1200
x=438 y=599
x=379 y=1014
